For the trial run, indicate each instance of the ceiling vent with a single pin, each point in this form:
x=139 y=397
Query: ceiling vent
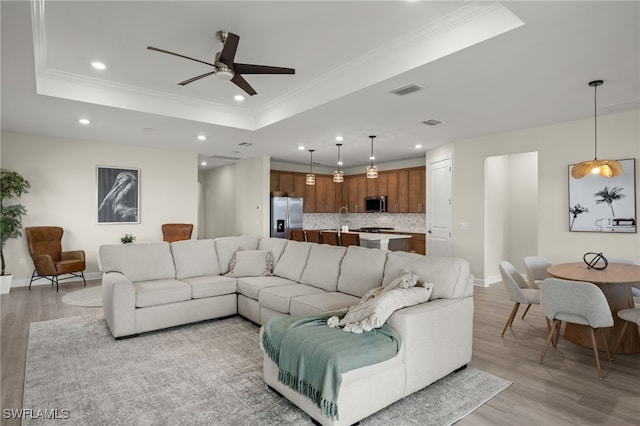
x=224 y=157
x=405 y=90
x=432 y=122
x=245 y=144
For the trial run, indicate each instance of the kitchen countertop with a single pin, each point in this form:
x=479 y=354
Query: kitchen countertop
x=368 y=236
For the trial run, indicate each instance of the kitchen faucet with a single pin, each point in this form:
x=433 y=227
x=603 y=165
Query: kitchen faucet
x=342 y=220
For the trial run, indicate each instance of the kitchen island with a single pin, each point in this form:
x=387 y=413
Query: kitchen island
x=393 y=242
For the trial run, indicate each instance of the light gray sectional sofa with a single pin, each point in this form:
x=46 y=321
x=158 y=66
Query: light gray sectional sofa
x=150 y=286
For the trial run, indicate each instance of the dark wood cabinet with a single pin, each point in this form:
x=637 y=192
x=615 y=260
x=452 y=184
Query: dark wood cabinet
x=417 y=193
x=357 y=191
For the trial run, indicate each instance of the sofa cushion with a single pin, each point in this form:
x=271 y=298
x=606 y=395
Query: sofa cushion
x=211 y=285
x=361 y=270
x=251 y=263
x=227 y=246
x=312 y=304
x=161 y=292
x=398 y=263
x=293 y=260
x=138 y=262
x=449 y=275
x=323 y=266
x=275 y=245
x=373 y=313
x=279 y=298
x=194 y=258
x=251 y=286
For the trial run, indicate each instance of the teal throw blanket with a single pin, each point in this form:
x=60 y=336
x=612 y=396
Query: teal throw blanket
x=311 y=357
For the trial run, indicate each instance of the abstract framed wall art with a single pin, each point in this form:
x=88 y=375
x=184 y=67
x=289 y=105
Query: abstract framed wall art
x=601 y=204
x=118 y=195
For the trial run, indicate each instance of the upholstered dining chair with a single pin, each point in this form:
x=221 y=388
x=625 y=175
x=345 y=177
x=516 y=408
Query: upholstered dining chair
x=635 y=289
x=45 y=247
x=517 y=290
x=298 y=235
x=329 y=237
x=577 y=302
x=313 y=236
x=536 y=269
x=349 y=239
x=631 y=315
x=176 y=231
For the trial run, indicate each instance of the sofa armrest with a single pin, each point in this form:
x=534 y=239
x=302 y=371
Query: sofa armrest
x=437 y=337
x=119 y=304
x=72 y=255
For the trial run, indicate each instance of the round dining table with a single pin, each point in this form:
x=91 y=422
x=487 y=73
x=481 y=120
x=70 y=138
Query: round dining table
x=615 y=281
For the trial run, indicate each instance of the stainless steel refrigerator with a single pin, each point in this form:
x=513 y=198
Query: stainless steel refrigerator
x=286 y=214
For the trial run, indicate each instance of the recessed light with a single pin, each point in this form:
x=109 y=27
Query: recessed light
x=204 y=163
x=238 y=98
x=417 y=146
x=84 y=121
x=339 y=138
x=301 y=148
x=98 y=65
x=202 y=138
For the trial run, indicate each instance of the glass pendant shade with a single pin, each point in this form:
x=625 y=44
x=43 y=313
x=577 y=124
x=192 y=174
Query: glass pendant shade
x=605 y=168
x=311 y=178
x=372 y=171
x=338 y=175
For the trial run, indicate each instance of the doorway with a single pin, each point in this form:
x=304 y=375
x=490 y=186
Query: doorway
x=510 y=211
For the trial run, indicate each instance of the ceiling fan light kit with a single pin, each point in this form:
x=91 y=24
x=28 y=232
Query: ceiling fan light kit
x=605 y=168
x=225 y=69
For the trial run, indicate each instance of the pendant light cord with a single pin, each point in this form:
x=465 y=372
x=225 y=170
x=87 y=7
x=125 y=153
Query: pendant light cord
x=595 y=121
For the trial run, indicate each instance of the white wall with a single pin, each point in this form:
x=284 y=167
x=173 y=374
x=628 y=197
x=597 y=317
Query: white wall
x=558 y=146
x=62 y=174
x=237 y=198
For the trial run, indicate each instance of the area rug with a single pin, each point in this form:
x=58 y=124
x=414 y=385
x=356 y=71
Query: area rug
x=209 y=373
x=87 y=297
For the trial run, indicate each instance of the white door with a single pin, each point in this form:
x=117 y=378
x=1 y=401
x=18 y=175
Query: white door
x=439 y=208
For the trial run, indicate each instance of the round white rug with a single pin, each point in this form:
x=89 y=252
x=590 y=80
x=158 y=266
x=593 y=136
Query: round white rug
x=87 y=297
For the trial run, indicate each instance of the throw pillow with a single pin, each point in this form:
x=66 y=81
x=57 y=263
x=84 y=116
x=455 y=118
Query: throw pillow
x=374 y=312
x=250 y=263
x=407 y=280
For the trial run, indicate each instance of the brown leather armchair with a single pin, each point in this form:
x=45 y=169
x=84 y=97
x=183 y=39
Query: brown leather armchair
x=50 y=261
x=176 y=231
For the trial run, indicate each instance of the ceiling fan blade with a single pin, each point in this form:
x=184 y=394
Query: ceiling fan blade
x=261 y=69
x=179 y=55
x=243 y=84
x=228 y=53
x=191 y=80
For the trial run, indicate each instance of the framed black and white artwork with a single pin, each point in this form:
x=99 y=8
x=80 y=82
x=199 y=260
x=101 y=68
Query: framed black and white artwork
x=602 y=204
x=118 y=191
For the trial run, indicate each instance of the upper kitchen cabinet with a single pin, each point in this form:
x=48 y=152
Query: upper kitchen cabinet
x=357 y=187
x=398 y=192
x=417 y=191
x=377 y=186
x=326 y=194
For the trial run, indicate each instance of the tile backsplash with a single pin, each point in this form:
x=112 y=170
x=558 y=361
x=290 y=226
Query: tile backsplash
x=407 y=222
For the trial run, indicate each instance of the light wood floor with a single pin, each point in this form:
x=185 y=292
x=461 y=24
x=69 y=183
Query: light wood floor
x=565 y=390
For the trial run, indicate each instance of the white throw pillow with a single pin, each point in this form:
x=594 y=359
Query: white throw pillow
x=374 y=312
x=408 y=280
x=251 y=263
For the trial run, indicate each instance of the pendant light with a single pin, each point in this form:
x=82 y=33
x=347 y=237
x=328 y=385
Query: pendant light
x=372 y=171
x=338 y=175
x=311 y=178
x=606 y=168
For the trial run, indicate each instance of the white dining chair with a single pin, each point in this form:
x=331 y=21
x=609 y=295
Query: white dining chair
x=536 y=269
x=631 y=315
x=577 y=302
x=517 y=290
x=635 y=290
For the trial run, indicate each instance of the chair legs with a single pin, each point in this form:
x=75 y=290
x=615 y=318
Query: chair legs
x=511 y=317
x=54 y=278
x=622 y=331
x=554 y=331
x=595 y=350
x=526 y=310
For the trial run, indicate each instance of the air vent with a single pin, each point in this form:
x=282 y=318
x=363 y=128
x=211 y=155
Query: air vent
x=224 y=157
x=245 y=144
x=432 y=122
x=405 y=90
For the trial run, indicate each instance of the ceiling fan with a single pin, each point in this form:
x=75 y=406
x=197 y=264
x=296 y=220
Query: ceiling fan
x=224 y=67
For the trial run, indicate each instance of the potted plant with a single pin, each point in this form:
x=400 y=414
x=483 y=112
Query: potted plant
x=12 y=185
x=127 y=239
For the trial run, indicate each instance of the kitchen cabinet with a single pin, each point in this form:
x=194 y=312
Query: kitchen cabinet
x=416 y=244
x=274 y=183
x=398 y=192
x=326 y=194
x=377 y=186
x=357 y=192
x=417 y=193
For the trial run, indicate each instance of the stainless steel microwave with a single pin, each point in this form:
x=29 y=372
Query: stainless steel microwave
x=375 y=204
